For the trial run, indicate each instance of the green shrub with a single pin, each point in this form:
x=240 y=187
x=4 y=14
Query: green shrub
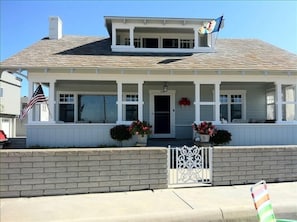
x=120 y=133
x=221 y=137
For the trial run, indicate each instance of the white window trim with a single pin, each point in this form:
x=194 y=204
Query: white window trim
x=125 y=102
x=235 y=92
x=75 y=101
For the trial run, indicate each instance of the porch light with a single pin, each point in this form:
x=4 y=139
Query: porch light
x=165 y=87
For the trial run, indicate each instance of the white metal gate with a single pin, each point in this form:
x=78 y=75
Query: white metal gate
x=189 y=165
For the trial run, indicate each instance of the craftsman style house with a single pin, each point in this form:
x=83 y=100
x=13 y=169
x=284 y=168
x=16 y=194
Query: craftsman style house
x=163 y=71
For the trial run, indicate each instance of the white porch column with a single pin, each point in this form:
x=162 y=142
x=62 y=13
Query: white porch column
x=217 y=103
x=196 y=38
x=279 y=107
x=114 y=37
x=197 y=101
x=131 y=36
x=120 y=101
x=140 y=101
x=31 y=90
x=51 y=101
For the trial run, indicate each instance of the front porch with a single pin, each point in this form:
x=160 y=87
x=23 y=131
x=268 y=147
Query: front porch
x=97 y=135
x=255 y=112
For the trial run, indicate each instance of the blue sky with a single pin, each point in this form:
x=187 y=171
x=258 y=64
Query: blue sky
x=24 y=22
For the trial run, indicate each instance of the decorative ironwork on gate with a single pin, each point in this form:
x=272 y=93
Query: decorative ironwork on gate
x=190 y=165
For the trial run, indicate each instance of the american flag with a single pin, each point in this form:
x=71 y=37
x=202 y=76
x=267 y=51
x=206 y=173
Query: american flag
x=37 y=97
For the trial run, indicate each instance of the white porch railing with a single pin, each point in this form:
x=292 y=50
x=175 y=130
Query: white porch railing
x=189 y=165
x=255 y=134
x=72 y=135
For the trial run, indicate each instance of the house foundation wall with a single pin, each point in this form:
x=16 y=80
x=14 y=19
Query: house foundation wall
x=30 y=172
x=245 y=165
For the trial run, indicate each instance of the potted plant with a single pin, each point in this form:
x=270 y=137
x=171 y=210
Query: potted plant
x=205 y=130
x=142 y=129
x=120 y=133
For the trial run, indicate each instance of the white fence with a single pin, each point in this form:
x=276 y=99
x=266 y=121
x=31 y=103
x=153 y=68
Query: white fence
x=189 y=165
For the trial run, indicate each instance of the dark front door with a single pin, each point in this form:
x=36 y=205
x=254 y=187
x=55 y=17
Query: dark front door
x=162 y=114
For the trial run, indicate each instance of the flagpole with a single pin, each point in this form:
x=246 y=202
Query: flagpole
x=49 y=111
x=219 y=30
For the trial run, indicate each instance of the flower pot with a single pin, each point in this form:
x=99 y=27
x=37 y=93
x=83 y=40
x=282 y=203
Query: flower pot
x=141 y=140
x=204 y=138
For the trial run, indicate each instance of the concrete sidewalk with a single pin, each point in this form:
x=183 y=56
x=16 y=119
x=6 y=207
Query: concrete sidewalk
x=228 y=203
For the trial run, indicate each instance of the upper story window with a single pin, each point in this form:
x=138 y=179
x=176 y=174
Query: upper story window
x=120 y=37
x=203 y=40
x=158 y=35
x=187 y=43
x=150 y=43
x=170 y=43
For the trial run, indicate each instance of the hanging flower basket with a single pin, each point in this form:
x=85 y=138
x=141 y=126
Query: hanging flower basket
x=184 y=101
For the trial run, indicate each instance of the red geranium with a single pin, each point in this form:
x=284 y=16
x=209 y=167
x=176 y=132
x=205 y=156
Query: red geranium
x=205 y=128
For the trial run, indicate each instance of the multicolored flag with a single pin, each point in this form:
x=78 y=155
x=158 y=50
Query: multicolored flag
x=212 y=26
x=37 y=97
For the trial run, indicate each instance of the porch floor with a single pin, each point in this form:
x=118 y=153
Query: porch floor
x=171 y=141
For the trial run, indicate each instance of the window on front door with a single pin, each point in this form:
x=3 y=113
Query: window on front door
x=162 y=114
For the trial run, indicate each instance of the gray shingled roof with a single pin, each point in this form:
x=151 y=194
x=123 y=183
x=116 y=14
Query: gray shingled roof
x=90 y=52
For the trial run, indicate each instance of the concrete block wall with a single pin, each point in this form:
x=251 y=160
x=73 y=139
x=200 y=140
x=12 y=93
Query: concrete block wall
x=245 y=165
x=29 y=172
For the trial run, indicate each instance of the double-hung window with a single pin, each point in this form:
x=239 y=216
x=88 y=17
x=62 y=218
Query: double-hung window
x=130 y=107
x=289 y=103
x=232 y=105
x=66 y=107
x=270 y=105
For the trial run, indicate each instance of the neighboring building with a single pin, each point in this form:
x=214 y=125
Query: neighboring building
x=246 y=86
x=10 y=94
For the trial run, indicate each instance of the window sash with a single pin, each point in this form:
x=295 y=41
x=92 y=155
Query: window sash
x=92 y=108
x=232 y=105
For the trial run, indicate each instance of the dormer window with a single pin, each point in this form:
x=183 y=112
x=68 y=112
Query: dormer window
x=187 y=43
x=120 y=39
x=150 y=43
x=170 y=43
x=156 y=35
x=203 y=40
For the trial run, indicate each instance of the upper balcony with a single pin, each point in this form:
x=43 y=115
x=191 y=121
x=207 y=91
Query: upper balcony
x=158 y=35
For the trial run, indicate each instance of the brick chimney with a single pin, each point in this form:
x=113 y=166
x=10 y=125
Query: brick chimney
x=55 y=27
